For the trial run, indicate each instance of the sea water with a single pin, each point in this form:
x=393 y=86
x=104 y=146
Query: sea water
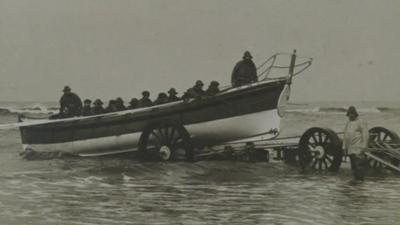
x=117 y=190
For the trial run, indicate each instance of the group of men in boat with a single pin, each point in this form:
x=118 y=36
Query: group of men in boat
x=71 y=104
x=244 y=72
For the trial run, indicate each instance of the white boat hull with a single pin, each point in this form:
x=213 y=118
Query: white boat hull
x=218 y=131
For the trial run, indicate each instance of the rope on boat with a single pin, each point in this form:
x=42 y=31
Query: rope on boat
x=307 y=63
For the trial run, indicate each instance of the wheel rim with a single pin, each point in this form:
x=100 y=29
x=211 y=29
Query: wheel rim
x=319 y=149
x=165 y=142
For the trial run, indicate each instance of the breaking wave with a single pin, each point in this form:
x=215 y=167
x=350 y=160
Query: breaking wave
x=34 y=109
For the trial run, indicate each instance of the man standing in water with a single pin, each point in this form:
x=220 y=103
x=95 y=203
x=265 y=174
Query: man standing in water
x=355 y=142
x=245 y=71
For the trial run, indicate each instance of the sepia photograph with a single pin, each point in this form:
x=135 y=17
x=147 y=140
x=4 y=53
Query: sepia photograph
x=199 y=112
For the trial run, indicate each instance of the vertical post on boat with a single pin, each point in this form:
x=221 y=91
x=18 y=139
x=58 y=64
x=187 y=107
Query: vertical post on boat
x=291 y=67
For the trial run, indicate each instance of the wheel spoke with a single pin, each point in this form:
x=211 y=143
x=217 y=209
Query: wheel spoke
x=329 y=159
x=320 y=137
x=314 y=138
x=162 y=135
x=325 y=163
x=385 y=137
x=325 y=140
x=380 y=139
x=156 y=136
x=319 y=165
x=171 y=135
x=176 y=139
x=314 y=163
x=166 y=133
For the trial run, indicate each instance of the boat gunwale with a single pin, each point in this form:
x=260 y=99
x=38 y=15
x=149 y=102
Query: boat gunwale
x=168 y=108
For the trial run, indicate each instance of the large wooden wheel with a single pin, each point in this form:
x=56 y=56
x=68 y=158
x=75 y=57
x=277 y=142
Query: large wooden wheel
x=166 y=141
x=320 y=149
x=377 y=137
x=382 y=135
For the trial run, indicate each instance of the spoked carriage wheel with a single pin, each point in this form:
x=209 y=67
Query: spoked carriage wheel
x=166 y=141
x=320 y=149
x=377 y=136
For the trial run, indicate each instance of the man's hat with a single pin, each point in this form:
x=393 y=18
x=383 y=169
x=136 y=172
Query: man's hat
x=145 y=93
x=98 y=102
x=247 y=55
x=87 y=101
x=162 y=94
x=172 y=91
x=66 y=88
x=214 y=83
x=199 y=82
x=119 y=99
x=352 y=110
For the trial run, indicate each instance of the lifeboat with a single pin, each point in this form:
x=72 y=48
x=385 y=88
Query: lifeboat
x=173 y=130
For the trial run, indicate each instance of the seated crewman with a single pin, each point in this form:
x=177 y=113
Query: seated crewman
x=112 y=107
x=133 y=104
x=98 y=107
x=213 y=88
x=119 y=104
x=145 y=100
x=87 y=108
x=161 y=99
x=172 y=95
x=196 y=91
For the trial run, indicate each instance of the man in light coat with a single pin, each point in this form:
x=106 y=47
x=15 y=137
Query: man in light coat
x=355 y=142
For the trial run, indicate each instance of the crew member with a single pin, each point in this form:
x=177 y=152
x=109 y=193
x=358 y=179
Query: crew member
x=145 y=100
x=355 y=142
x=119 y=104
x=87 y=109
x=70 y=104
x=213 y=88
x=196 y=91
x=98 y=107
x=245 y=71
x=161 y=99
x=133 y=104
x=112 y=106
x=172 y=95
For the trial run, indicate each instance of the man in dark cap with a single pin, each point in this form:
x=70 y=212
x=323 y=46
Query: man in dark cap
x=145 y=100
x=172 y=95
x=355 y=142
x=245 y=71
x=98 y=107
x=161 y=99
x=87 y=108
x=196 y=91
x=119 y=104
x=213 y=88
x=70 y=103
x=133 y=104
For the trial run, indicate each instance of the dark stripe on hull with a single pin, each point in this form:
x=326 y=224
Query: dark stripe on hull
x=236 y=103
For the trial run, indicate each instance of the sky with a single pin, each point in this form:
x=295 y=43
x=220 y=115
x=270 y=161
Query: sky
x=106 y=49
